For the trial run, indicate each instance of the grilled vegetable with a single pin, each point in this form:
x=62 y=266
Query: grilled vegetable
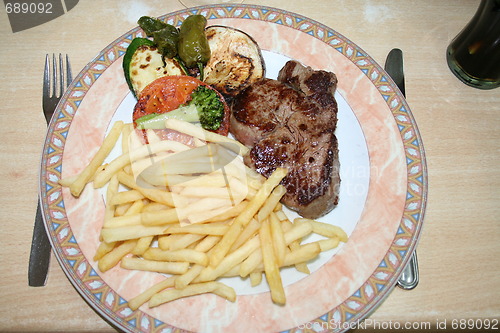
x=167 y=39
x=235 y=62
x=226 y=58
x=181 y=97
x=143 y=63
x=165 y=36
x=193 y=45
x=150 y=25
x=205 y=107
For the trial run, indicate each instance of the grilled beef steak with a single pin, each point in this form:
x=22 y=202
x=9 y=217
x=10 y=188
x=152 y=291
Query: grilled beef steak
x=290 y=122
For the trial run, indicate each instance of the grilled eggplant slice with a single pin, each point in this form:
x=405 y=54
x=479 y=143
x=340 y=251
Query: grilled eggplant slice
x=236 y=60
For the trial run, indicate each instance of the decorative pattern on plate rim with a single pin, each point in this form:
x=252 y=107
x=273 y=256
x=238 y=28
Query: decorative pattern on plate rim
x=115 y=308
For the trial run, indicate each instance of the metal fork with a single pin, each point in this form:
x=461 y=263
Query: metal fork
x=40 y=246
x=50 y=101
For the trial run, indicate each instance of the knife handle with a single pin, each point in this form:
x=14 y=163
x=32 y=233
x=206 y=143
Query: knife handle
x=409 y=277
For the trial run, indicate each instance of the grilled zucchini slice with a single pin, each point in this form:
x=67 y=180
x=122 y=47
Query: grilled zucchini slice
x=143 y=64
x=236 y=60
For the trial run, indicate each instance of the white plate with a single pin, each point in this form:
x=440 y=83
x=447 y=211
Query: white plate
x=382 y=198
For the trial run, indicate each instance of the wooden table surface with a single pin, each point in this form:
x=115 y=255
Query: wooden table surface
x=459 y=252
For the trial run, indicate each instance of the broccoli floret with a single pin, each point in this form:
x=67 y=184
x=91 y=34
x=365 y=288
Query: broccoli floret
x=204 y=107
x=210 y=107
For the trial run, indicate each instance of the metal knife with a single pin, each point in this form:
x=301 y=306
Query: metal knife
x=394 y=67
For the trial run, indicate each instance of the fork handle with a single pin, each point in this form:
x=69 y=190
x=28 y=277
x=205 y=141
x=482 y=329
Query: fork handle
x=39 y=254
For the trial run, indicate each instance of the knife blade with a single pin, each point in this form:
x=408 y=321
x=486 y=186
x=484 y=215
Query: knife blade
x=394 y=67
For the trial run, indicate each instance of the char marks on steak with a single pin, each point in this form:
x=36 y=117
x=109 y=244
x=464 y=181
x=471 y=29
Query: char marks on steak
x=290 y=123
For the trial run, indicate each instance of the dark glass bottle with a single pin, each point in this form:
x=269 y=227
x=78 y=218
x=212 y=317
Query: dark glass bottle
x=474 y=55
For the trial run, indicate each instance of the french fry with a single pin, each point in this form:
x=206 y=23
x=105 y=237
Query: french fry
x=271 y=267
x=193 y=245
x=302 y=254
x=255 y=278
x=250 y=230
x=67 y=181
x=165 y=241
x=235 y=271
x=205 y=217
x=298 y=232
x=103 y=249
x=183 y=280
x=171 y=294
x=126 y=131
x=111 y=192
x=295 y=245
x=225 y=291
x=154 y=206
x=154 y=266
x=88 y=172
x=201 y=229
x=282 y=216
x=122 y=209
x=207 y=243
x=123 y=221
x=155 y=195
x=130 y=232
x=112 y=258
x=325 y=229
x=203 y=205
x=271 y=202
x=159 y=217
x=135 y=208
x=145 y=296
x=230 y=213
x=278 y=238
x=142 y=245
x=126 y=196
x=328 y=244
x=184 y=241
x=184 y=255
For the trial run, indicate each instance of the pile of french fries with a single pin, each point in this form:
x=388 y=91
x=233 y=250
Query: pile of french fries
x=176 y=207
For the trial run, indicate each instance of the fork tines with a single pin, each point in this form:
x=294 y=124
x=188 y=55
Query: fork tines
x=57 y=75
x=52 y=78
